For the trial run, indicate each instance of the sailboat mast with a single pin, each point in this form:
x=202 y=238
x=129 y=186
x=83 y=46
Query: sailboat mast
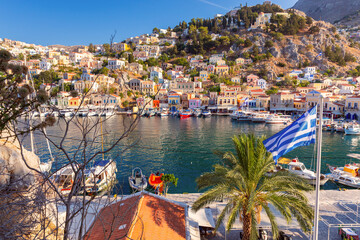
x=102 y=140
x=318 y=170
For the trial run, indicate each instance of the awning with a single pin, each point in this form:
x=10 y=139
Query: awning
x=203 y=217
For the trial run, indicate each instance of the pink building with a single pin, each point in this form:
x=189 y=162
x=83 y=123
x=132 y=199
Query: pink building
x=194 y=103
x=252 y=79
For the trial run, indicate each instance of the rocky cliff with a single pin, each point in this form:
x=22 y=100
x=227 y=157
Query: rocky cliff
x=328 y=10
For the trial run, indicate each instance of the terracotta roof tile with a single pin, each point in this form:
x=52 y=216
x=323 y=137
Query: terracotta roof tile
x=142 y=216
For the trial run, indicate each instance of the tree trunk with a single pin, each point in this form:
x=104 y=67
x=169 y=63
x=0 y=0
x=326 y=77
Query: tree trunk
x=246 y=226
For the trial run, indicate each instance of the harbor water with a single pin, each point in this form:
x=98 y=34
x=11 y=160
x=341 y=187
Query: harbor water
x=185 y=147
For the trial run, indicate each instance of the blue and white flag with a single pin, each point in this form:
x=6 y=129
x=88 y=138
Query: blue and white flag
x=244 y=104
x=302 y=132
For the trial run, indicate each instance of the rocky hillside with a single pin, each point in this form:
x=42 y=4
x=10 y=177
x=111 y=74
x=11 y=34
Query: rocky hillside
x=328 y=10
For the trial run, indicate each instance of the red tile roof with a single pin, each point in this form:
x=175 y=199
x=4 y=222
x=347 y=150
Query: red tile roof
x=141 y=216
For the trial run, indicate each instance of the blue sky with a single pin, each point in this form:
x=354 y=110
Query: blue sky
x=82 y=22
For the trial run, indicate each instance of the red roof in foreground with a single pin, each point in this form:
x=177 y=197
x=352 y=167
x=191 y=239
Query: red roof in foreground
x=141 y=216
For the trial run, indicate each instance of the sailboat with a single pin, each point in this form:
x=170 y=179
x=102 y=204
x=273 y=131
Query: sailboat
x=102 y=175
x=44 y=167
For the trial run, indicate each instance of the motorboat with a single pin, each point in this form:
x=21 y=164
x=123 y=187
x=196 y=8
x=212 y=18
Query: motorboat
x=244 y=116
x=197 y=113
x=109 y=113
x=164 y=113
x=259 y=117
x=129 y=112
x=185 y=114
x=93 y=113
x=82 y=113
x=352 y=129
x=64 y=179
x=277 y=119
x=66 y=113
x=235 y=115
x=206 y=113
x=298 y=168
x=156 y=182
x=137 y=180
x=100 y=177
x=347 y=175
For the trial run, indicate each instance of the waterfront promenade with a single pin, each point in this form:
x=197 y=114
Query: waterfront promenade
x=336 y=207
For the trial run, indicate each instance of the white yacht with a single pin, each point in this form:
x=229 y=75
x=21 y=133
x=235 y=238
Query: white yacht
x=259 y=117
x=352 y=129
x=277 y=119
x=244 y=116
x=298 y=168
x=347 y=175
x=235 y=115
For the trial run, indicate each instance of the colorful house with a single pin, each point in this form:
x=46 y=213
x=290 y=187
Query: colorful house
x=174 y=102
x=194 y=103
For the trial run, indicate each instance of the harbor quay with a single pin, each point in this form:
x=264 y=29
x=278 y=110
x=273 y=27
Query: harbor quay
x=337 y=209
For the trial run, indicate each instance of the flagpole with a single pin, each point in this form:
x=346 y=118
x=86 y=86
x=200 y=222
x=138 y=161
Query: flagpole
x=318 y=171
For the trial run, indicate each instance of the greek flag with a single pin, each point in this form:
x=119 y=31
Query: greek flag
x=245 y=102
x=301 y=133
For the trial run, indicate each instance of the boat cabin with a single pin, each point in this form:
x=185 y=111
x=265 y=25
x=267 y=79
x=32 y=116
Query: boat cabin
x=295 y=165
x=348 y=233
x=352 y=169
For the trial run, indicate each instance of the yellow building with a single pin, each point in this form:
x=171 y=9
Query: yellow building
x=74 y=102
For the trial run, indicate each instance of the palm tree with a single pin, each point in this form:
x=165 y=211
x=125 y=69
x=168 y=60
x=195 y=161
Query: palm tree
x=242 y=183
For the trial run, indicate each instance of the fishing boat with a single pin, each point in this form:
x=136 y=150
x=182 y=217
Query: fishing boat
x=277 y=119
x=185 y=114
x=100 y=177
x=137 y=180
x=347 y=175
x=298 y=168
x=206 y=113
x=352 y=129
x=156 y=182
x=64 y=179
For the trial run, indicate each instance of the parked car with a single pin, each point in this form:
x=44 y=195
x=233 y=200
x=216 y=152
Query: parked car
x=348 y=234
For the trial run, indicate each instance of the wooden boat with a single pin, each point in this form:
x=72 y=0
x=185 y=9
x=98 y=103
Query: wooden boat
x=156 y=182
x=100 y=177
x=137 y=180
x=185 y=114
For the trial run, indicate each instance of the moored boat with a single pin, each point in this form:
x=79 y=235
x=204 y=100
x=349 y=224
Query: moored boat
x=100 y=177
x=276 y=119
x=185 y=114
x=64 y=179
x=137 y=180
x=206 y=113
x=352 y=129
x=259 y=117
x=155 y=182
x=298 y=168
